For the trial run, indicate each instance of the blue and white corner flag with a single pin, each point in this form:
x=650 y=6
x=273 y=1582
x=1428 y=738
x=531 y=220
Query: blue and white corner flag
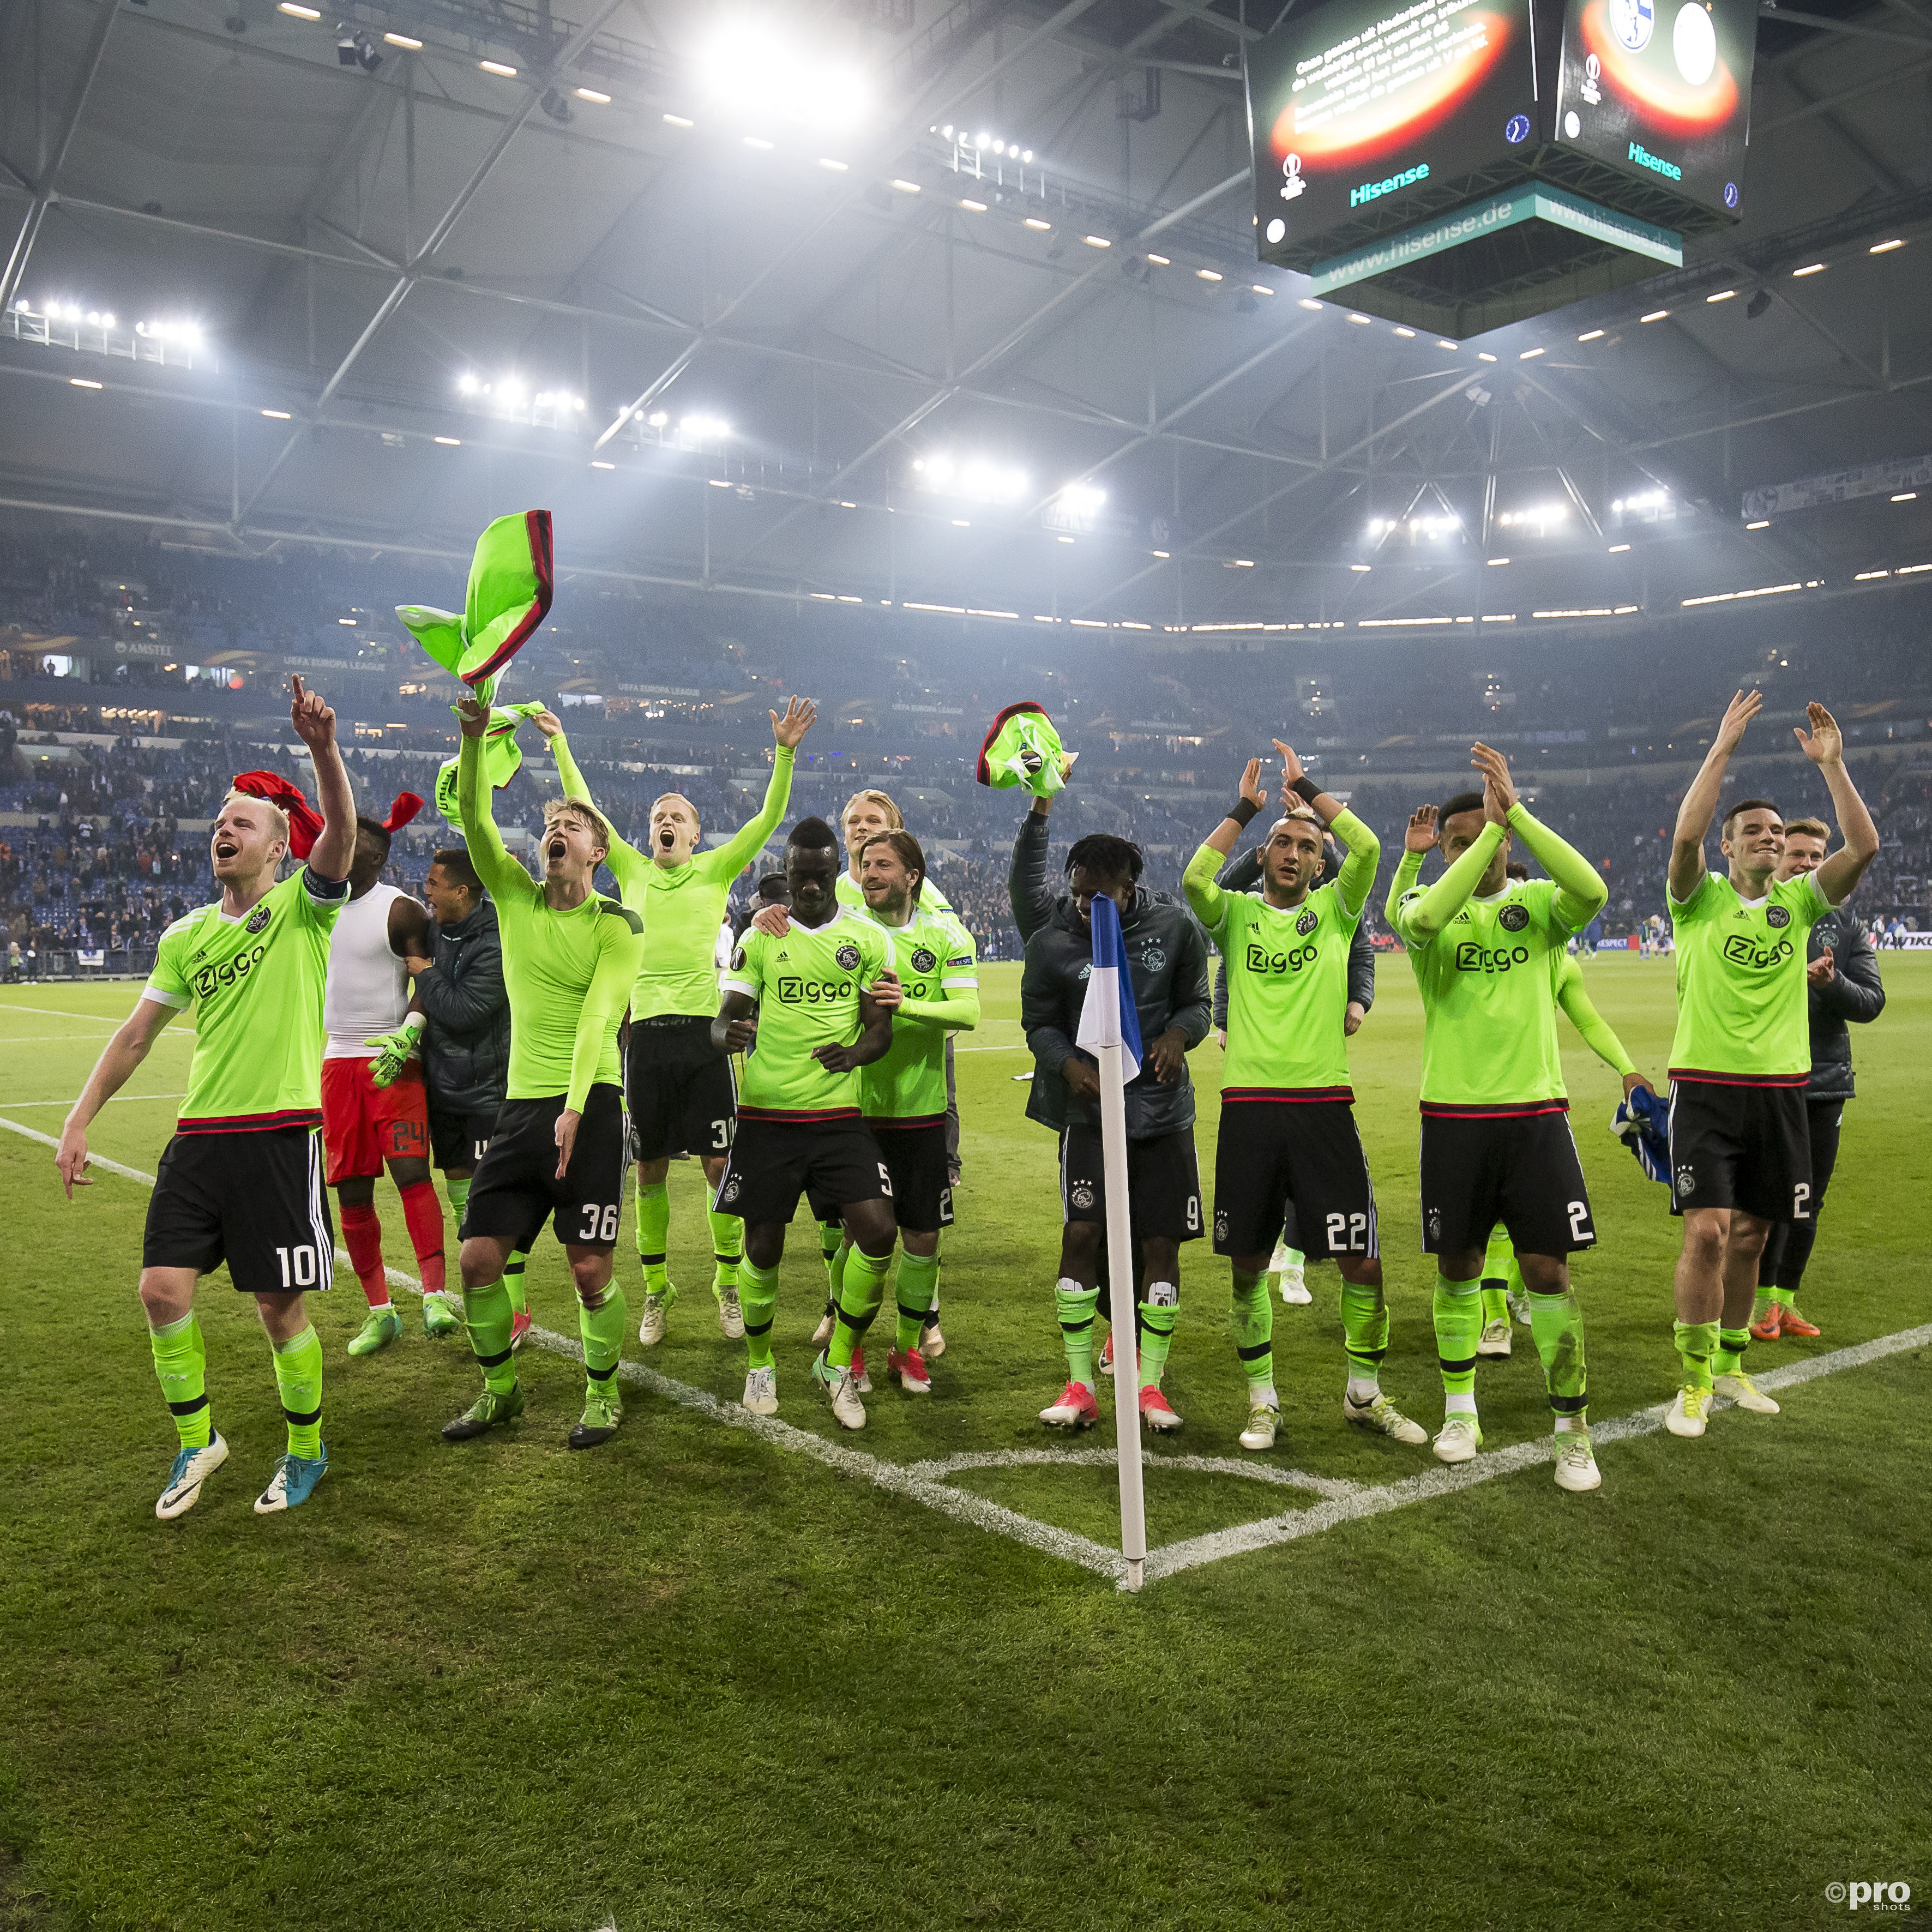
x=1108 y=1017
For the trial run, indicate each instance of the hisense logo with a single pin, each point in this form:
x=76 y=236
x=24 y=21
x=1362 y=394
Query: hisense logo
x=1644 y=158
x=1373 y=190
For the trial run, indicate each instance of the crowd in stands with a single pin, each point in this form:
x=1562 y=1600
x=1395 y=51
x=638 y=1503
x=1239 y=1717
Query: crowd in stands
x=100 y=841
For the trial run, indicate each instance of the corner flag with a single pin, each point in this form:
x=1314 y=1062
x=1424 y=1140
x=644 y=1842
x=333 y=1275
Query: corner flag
x=1109 y=1018
x=1110 y=1030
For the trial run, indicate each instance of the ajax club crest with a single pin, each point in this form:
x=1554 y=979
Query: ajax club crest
x=1307 y=922
x=1513 y=918
x=1776 y=916
x=924 y=960
x=258 y=920
x=847 y=957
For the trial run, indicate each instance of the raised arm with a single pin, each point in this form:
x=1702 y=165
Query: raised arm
x=335 y=847
x=735 y=854
x=1700 y=801
x=500 y=873
x=1364 y=849
x=1028 y=889
x=1416 y=842
x=124 y=1052
x=957 y=1008
x=1825 y=746
x=1420 y=922
x=1198 y=882
x=1581 y=893
x=623 y=855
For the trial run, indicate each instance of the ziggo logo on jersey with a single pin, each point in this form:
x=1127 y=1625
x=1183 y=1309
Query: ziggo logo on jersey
x=1742 y=950
x=815 y=992
x=1471 y=957
x=1261 y=960
x=227 y=973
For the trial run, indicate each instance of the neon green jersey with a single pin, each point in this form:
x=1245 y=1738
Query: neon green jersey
x=930 y=898
x=1288 y=974
x=567 y=972
x=682 y=906
x=1598 y=1034
x=1742 y=1009
x=807 y=985
x=1488 y=981
x=938 y=968
x=255 y=985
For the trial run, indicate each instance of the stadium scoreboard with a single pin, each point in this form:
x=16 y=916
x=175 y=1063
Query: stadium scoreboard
x=1458 y=164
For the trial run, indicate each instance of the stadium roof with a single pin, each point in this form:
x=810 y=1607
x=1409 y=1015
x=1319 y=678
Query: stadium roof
x=895 y=300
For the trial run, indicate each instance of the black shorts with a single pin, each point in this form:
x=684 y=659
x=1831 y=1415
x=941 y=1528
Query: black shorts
x=458 y=1140
x=1521 y=1169
x=1744 y=1146
x=834 y=1158
x=683 y=1096
x=1297 y=1165
x=1163 y=1183
x=254 y=1200
x=515 y=1188
x=917 y=1165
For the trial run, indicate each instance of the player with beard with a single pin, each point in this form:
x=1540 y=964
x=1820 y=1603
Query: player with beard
x=682 y=1098
x=1289 y=1153
x=866 y=815
x=240 y=1181
x=803 y=1009
x=1496 y=1144
x=557 y=1151
x=1843 y=989
x=376 y=1112
x=1740 y=1143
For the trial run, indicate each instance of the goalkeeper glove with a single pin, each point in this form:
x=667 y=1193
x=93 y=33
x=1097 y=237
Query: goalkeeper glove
x=396 y=1050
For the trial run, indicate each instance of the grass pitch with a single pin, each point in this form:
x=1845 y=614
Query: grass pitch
x=693 y=1680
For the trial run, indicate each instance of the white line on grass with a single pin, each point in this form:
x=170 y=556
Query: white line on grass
x=1340 y=1501
x=111 y=1099
x=62 y=1013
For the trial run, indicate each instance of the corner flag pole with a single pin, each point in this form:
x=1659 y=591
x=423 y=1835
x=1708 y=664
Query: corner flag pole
x=1120 y=1274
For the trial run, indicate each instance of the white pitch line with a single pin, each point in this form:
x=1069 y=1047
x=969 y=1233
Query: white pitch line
x=111 y=1099
x=1446 y=1480
x=62 y=1013
x=1341 y=1501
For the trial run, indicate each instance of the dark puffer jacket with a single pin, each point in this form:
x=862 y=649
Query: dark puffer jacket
x=1167 y=963
x=1854 y=995
x=465 y=1045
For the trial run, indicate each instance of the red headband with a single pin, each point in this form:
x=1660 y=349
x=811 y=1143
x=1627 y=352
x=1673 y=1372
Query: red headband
x=304 y=821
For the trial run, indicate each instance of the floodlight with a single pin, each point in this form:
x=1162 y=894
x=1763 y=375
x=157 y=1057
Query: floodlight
x=467 y=384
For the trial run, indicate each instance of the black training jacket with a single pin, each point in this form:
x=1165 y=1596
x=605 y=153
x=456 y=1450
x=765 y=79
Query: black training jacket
x=465 y=1045
x=1167 y=963
x=1855 y=994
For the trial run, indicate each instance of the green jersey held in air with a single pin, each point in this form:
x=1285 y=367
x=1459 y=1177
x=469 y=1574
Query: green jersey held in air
x=807 y=984
x=1742 y=1014
x=1288 y=973
x=568 y=973
x=682 y=906
x=1487 y=970
x=256 y=985
x=938 y=969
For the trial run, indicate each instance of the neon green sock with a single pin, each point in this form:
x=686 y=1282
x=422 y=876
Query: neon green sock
x=486 y=1312
x=1495 y=1303
x=860 y=1295
x=1251 y=1325
x=1458 y=1326
x=835 y=1275
x=654 y=1235
x=1696 y=1343
x=298 y=1377
x=1156 y=1330
x=1787 y=1296
x=1074 y=1306
x=1293 y=1257
x=938 y=1262
x=457 y=1187
x=757 y=1296
x=1556 y=1323
x=180 y=1364
x=918 y=1277
x=513 y=1282
x=727 y=1249
x=1365 y=1331
x=600 y=1330
x=1732 y=1343
x=831 y=1253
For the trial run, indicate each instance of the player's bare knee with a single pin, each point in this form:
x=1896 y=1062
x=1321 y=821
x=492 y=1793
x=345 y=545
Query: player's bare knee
x=1079 y=1247
x=408 y=1172
x=1163 y=1258
x=481 y=1260
x=921 y=1247
x=356 y=1190
x=162 y=1299
x=764 y=1245
x=871 y=1228
x=1544 y=1274
x=650 y=1172
x=713 y=1165
x=592 y=1274
x=1360 y=1271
